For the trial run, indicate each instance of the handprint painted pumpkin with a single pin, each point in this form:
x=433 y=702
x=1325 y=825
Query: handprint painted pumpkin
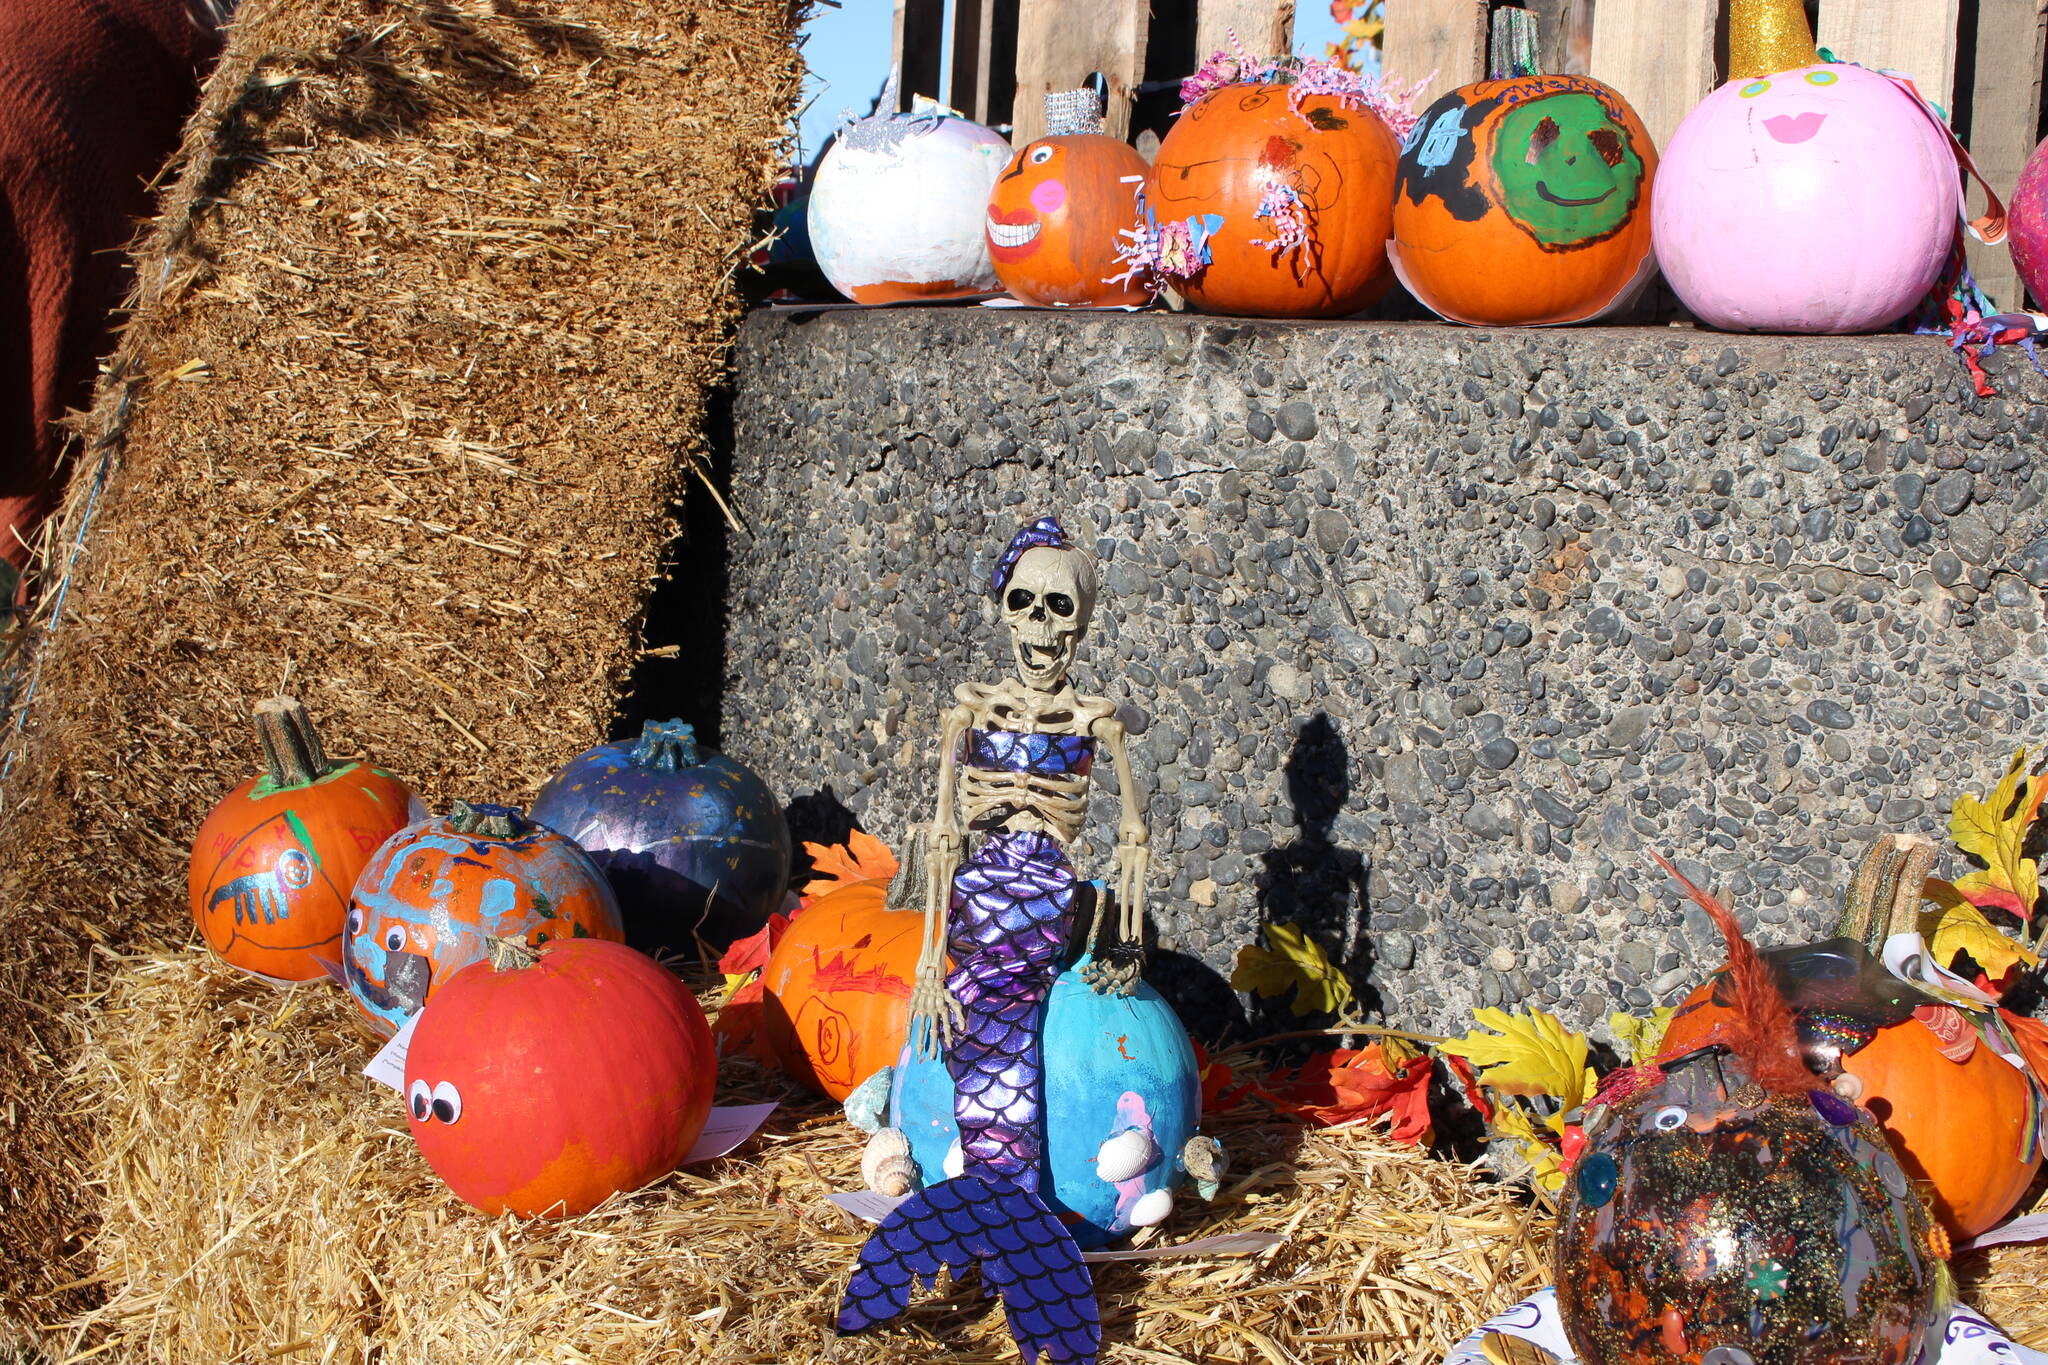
x=1123 y=1095
x=273 y=864
x=1254 y=157
x=1524 y=202
x=836 y=991
x=438 y=891
x=1056 y=211
x=693 y=845
x=543 y=1086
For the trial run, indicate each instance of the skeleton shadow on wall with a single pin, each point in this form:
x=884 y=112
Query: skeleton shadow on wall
x=1313 y=881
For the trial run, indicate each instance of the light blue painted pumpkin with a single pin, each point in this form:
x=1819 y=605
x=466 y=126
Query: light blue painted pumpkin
x=1112 y=1063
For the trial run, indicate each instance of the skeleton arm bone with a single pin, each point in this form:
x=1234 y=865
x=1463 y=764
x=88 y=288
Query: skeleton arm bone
x=1133 y=864
x=934 y=1013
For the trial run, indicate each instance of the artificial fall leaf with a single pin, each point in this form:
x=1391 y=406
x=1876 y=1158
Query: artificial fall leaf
x=1642 y=1038
x=738 y=1026
x=1957 y=926
x=1347 y=1087
x=1527 y=1054
x=2031 y=1037
x=1295 y=962
x=1994 y=831
x=1546 y=1163
x=1468 y=1082
x=862 y=858
x=743 y=961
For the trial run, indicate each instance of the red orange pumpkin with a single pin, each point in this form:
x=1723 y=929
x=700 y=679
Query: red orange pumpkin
x=1054 y=216
x=426 y=906
x=1525 y=201
x=1234 y=149
x=273 y=864
x=1959 y=1126
x=545 y=1088
x=836 y=990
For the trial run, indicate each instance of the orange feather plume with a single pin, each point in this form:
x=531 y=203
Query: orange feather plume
x=1763 y=1036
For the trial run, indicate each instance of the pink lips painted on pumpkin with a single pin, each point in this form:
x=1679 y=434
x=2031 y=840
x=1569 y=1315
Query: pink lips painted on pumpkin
x=1792 y=129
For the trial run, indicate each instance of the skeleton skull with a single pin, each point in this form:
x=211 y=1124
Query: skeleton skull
x=1046 y=605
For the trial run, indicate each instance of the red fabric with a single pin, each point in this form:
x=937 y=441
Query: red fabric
x=93 y=94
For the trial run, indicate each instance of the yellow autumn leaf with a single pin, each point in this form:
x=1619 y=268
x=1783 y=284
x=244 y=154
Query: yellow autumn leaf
x=1546 y=1165
x=1527 y=1054
x=1985 y=830
x=1295 y=963
x=1955 y=926
x=1641 y=1039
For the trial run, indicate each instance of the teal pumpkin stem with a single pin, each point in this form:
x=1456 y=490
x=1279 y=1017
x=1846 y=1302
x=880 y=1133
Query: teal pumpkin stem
x=1513 y=45
x=291 y=746
x=666 y=745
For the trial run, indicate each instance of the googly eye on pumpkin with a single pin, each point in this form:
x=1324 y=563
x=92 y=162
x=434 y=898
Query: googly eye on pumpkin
x=1040 y=155
x=1753 y=89
x=1668 y=1118
x=420 y=1099
x=355 y=921
x=394 y=939
x=447 y=1102
x=1821 y=78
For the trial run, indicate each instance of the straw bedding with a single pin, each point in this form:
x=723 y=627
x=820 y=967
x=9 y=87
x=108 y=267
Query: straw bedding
x=419 y=356
x=262 y=1201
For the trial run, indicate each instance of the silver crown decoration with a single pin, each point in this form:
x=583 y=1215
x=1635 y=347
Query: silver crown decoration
x=1073 y=111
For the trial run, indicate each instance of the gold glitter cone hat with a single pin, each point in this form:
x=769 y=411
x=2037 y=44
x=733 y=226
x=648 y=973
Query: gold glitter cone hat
x=1768 y=36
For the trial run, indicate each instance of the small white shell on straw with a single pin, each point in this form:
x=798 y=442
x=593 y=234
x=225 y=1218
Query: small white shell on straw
x=885 y=1163
x=1151 y=1208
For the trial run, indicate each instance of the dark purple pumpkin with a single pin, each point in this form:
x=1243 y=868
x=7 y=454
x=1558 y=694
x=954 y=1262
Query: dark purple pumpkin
x=692 y=844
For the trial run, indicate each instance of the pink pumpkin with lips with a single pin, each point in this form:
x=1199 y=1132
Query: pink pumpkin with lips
x=1819 y=199
x=2028 y=228
x=1054 y=216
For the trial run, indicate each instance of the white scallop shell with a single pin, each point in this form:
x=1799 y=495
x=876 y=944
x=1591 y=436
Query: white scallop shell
x=1151 y=1208
x=1130 y=1153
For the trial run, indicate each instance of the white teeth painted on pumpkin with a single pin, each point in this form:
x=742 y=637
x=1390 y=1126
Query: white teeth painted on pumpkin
x=1131 y=1152
x=1012 y=234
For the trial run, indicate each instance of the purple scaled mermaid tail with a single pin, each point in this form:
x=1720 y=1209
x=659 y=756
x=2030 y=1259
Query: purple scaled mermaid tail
x=1012 y=904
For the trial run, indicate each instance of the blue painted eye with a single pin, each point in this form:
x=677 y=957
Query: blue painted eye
x=1597 y=1178
x=1668 y=1118
x=1821 y=78
x=1753 y=89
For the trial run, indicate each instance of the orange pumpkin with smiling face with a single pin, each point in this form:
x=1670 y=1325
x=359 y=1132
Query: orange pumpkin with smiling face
x=1054 y=216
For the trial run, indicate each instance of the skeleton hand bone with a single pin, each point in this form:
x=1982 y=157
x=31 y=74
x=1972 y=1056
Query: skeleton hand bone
x=935 y=1013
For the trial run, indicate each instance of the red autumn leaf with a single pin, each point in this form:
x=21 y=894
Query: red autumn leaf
x=1346 y=1087
x=738 y=1028
x=2032 y=1037
x=1468 y=1082
x=1218 y=1094
x=750 y=954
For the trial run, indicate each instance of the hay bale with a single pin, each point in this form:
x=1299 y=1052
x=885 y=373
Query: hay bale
x=260 y=1198
x=422 y=340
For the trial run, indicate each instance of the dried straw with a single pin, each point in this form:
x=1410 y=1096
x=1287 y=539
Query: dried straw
x=419 y=354
x=260 y=1201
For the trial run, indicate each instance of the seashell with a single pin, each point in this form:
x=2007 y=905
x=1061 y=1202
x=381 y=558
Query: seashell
x=955 y=1162
x=867 y=1107
x=1130 y=1153
x=894 y=1176
x=886 y=1147
x=1205 y=1159
x=1151 y=1208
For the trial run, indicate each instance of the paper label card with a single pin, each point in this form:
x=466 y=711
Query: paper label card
x=388 y=1066
x=728 y=1126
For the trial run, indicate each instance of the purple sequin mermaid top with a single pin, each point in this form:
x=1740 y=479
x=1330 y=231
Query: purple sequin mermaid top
x=1015 y=751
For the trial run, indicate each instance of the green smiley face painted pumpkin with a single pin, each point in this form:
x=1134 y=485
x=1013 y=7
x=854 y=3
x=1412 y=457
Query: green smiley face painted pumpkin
x=1569 y=174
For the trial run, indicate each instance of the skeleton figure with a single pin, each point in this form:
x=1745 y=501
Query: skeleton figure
x=1013 y=779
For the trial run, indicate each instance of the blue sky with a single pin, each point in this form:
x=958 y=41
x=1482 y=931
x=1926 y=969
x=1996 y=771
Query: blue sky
x=848 y=53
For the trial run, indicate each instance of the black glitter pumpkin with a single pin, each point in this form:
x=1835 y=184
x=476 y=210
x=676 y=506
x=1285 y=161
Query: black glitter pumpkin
x=1708 y=1220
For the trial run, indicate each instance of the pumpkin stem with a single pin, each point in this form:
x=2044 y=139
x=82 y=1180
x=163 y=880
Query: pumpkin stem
x=1768 y=36
x=1513 y=48
x=1072 y=111
x=492 y=822
x=1885 y=894
x=666 y=745
x=511 y=954
x=907 y=887
x=291 y=746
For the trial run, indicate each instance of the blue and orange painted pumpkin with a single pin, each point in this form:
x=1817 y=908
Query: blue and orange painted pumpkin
x=1113 y=1064
x=437 y=892
x=693 y=845
x=273 y=864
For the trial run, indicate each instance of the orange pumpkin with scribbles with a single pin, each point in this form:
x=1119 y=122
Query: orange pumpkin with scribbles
x=835 y=1000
